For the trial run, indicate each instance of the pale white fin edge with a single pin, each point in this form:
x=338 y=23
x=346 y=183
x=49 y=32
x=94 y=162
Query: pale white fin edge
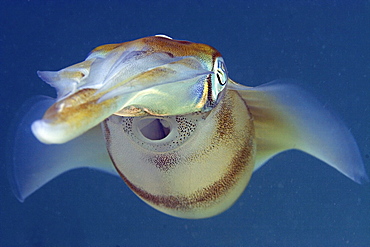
x=33 y=163
x=286 y=117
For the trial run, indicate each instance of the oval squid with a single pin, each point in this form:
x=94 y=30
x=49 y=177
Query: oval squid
x=182 y=135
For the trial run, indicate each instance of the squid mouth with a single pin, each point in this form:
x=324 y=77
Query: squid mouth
x=154 y=129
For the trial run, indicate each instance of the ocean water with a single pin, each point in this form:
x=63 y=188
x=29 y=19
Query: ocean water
x=294 y=200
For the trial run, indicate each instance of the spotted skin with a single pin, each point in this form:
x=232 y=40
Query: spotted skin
x=182 y=135
x=197 y=178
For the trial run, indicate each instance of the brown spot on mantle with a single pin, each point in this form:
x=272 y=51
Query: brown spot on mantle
x=203 y=197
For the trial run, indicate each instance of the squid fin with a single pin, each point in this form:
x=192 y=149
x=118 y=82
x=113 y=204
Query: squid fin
x=33 y=163
x=286 y=118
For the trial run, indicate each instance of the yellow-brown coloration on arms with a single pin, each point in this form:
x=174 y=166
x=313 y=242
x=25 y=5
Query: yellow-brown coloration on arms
x=130 y=79
x=173 y=47
x=77 y=113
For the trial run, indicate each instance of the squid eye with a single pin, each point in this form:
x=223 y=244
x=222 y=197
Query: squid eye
x=220 y=77
x=221 y=73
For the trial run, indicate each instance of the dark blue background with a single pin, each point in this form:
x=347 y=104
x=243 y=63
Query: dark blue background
x=295 y=200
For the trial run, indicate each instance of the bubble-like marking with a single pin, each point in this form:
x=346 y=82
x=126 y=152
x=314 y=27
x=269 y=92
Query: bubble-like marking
x=182 y=128
x=166 y=161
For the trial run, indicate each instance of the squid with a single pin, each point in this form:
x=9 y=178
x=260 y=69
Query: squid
x=164 y=115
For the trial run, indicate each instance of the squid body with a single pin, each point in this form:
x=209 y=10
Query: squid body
x=182 y=135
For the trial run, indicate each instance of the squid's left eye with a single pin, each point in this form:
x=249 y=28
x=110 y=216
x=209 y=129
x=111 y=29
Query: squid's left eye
x=220 y=71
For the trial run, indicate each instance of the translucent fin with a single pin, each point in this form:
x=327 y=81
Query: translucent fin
x=286 y=117
x=33 y=164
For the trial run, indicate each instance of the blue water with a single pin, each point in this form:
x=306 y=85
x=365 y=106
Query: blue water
x=294 y=200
